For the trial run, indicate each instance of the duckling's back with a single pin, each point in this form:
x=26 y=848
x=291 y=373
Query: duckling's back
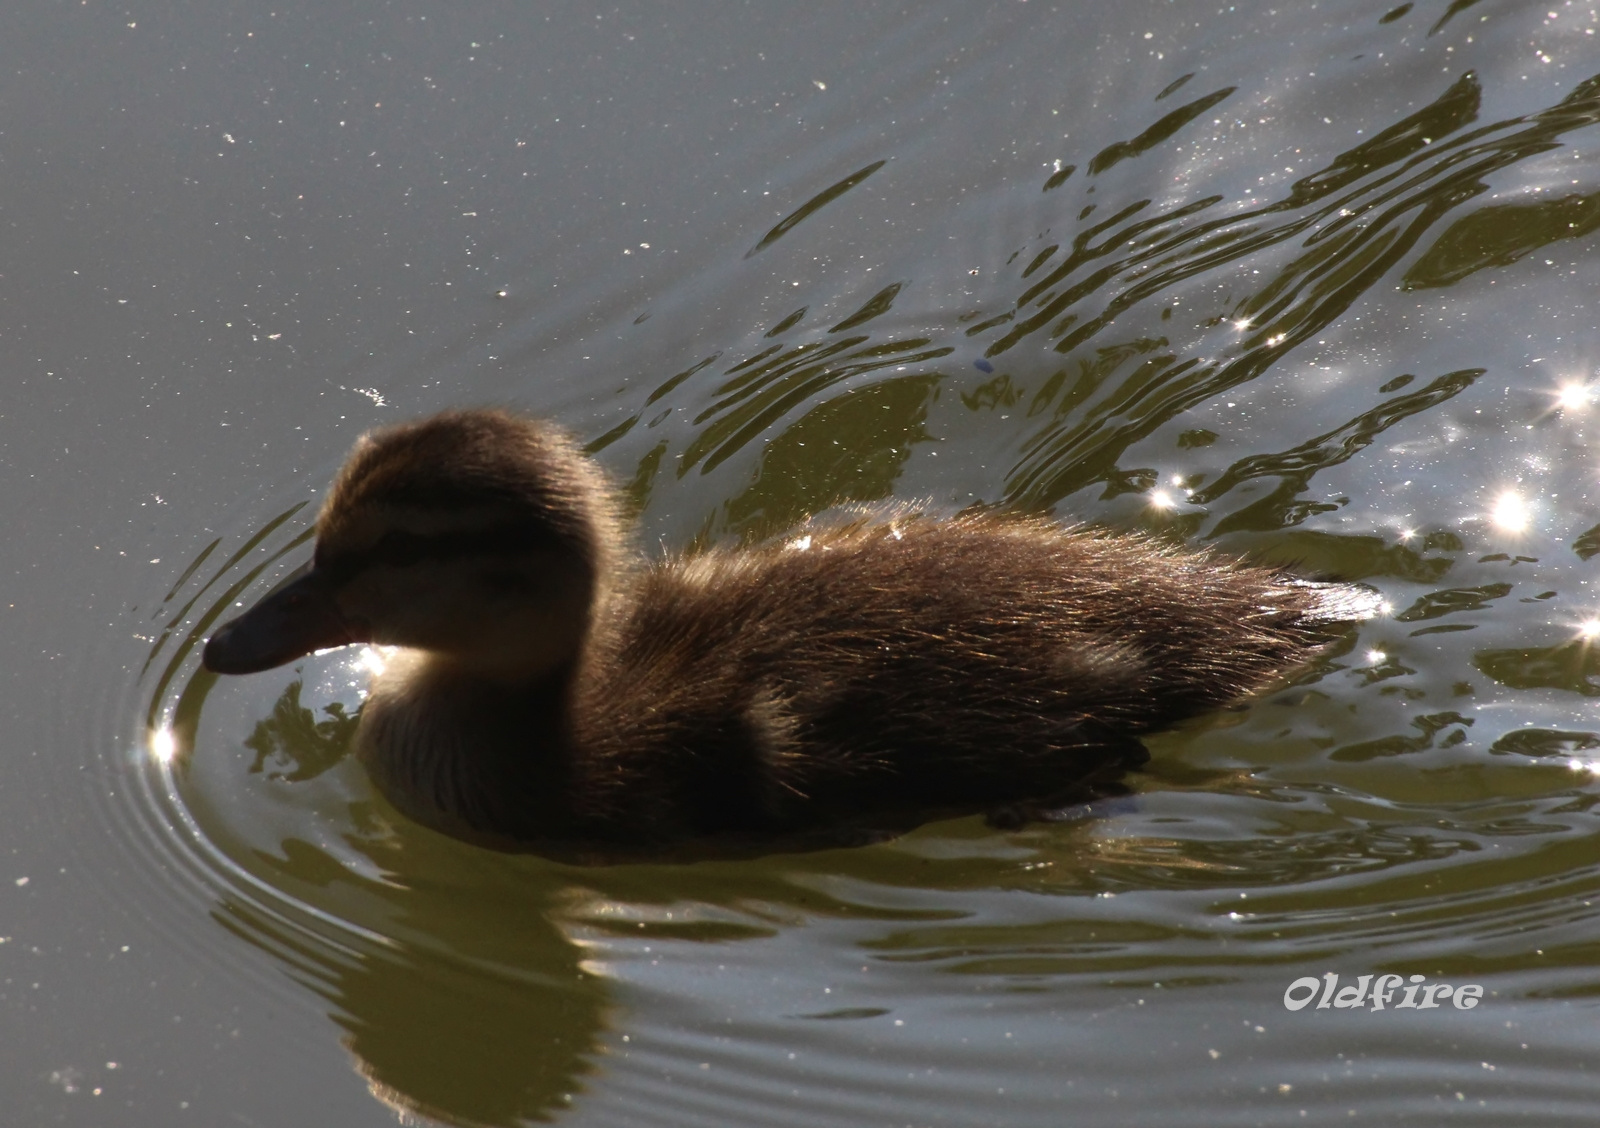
x=916 y=664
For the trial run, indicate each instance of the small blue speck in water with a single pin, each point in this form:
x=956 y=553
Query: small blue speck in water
x=983 y=366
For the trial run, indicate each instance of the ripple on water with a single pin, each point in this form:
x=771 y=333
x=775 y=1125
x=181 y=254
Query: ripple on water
x=1420 y=801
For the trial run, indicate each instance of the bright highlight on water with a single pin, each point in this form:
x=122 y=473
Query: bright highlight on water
x=1510 y=513
x=1574 y=397
x=163 y=745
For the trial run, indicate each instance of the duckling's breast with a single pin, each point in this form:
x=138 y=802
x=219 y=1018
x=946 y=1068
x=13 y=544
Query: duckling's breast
x=472 y=759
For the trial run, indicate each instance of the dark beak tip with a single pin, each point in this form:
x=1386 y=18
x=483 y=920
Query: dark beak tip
x=220 y=654
x=214 y=658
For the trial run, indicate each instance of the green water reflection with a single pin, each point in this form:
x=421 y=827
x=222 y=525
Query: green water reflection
x=459 y=996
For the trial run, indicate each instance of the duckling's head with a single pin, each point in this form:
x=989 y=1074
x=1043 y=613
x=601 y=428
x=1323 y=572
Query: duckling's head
x=478 y=536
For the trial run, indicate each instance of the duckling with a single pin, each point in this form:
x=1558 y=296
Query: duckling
x=555 y=692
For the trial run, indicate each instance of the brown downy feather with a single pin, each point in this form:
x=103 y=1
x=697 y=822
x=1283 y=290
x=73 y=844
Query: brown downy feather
x=839 y=685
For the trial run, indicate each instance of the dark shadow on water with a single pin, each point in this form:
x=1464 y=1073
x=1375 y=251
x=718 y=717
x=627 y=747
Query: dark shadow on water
x=293 y=745
x=1572 y=666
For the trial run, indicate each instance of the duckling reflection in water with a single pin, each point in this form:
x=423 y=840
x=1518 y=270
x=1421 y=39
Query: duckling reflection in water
x=559 y=694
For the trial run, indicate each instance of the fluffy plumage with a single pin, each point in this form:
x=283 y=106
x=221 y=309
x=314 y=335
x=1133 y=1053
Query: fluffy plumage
x=557 y=693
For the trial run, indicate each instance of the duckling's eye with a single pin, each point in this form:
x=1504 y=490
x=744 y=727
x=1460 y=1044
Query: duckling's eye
x=401 y=549
x=504 y=581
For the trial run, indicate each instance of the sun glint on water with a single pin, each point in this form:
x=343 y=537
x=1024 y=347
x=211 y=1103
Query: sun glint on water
x=1510 y=512
x=1574 y=397
x=163 y=744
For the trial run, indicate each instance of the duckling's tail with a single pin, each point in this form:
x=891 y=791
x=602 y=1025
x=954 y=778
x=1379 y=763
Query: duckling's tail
x=1341 y=603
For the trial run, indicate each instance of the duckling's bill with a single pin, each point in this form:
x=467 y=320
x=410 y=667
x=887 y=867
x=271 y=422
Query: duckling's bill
x=293 y=621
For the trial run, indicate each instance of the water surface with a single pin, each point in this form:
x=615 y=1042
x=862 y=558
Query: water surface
x=1308 y=282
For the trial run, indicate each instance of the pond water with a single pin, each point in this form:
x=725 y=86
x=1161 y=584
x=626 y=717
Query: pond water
x=1309 y=282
